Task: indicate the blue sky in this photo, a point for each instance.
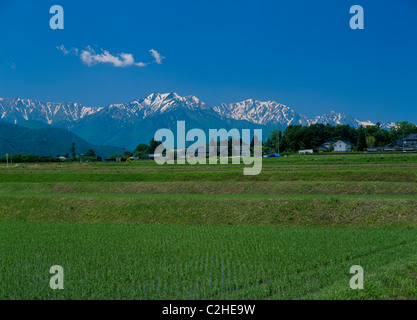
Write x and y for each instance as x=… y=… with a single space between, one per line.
x=301 y=53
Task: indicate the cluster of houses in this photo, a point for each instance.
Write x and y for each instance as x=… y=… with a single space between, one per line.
x=202 y=151
x=409 y=143
x=205 y=151
x=336 y=146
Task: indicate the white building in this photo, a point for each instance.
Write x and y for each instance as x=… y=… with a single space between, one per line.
x=343 y=146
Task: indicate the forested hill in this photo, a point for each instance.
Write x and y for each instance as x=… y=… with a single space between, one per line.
x=45 y=140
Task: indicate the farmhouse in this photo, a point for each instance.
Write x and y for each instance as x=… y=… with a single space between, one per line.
x=326 y=146
x=411 y=140
x=343 y=146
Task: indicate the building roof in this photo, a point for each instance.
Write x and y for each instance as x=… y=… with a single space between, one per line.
x=323 y=145
x=412 y=136
x=346 y=142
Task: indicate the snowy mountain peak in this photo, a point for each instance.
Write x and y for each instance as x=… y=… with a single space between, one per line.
x=157 y=103
x=260 y=112
x=266 y=113
x=333 y=118
x=17 y=110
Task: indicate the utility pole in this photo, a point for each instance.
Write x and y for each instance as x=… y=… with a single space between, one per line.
x=7 y=159
x=278 y=144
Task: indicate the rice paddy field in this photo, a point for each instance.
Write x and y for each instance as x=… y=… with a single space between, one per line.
x=144 y=231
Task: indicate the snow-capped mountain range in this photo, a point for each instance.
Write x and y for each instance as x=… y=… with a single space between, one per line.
x=17 y=110
x=260 y=112
x=273 y=113
x=145 y=116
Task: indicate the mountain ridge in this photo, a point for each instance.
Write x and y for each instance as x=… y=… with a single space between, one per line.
x=137 y=120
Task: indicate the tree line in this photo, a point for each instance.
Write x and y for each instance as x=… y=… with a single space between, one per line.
x=292 y=139
x=90 y=156
x=297 y=137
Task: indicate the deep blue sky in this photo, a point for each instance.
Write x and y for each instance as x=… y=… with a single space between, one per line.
x=301 y=53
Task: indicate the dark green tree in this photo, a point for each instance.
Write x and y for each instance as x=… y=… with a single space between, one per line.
x=91 y=153
x=142 y=147
x=153 y=145
x=73 y=150
x=361 y=140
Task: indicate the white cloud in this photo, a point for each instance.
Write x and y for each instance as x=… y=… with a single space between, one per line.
x=157 y=56
x=63 y=49
x=89 y=57
x=66 y=51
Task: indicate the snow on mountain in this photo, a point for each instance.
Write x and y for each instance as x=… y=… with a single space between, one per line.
x=271 y=113
x=17 y=110
x=365 y=123
x=389 y=125
x=335 y=118
x=152 y=105
x=265 y=113
x=157 y=103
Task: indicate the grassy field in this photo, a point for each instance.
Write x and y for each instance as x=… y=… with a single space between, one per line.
x=144 y=231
